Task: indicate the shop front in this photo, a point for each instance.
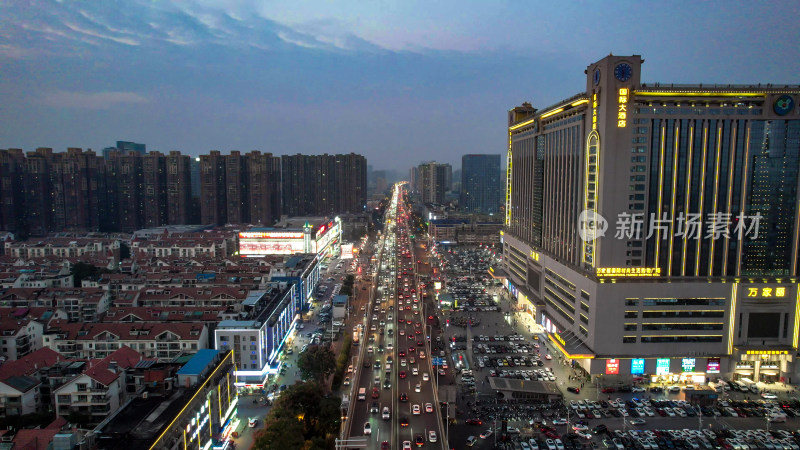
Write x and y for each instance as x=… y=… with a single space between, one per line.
x=765 y=366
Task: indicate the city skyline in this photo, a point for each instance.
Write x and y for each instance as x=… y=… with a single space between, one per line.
x=284 y=79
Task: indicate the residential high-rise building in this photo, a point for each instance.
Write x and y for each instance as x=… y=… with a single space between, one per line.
x=38 y=192
x=129 y=187
x=12 y=191
x=652 y=228
x=433 y=181
x=264 y=176
x=179 y=189
x=125 y=146
x=236 y=192
x=154 y=174
x=340 y=184
x=213 y=206
x=481 y=186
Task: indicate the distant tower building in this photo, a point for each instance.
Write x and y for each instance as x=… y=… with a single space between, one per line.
x=481 y=186
x=125 y=146
x=433 y=181
x=340 y=184
x=179 y=188
x=212 y=189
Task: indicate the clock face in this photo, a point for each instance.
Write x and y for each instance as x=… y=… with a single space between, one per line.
x=596 y=76
x=623 y=72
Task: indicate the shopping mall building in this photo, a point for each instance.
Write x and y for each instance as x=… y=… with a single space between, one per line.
x=652 y=228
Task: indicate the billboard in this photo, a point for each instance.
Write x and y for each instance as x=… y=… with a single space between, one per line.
x=662 y=366
x=347 y=251
x=637 y=366
x=612 y=367
x=713 y=365
x=688 y=364
x=254 y=247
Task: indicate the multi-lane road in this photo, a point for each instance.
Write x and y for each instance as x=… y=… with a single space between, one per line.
x=394 y=400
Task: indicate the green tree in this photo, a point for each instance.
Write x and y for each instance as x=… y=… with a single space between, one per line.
x=316 y=363
x=280 y=433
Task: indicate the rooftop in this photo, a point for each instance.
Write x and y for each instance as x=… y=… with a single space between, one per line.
x=199 y=362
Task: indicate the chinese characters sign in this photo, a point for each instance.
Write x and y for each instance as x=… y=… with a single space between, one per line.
x=629 y=271
x=766 y=292
x=594 y=111
x=688 y=364
x=713 y=365
x=637 y=366
x=622 y=113
x=612 y=366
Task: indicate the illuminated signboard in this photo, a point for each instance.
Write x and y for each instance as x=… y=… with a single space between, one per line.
x=271 y=247
x=662 y=366
x=766 y=292
x=271 y=235
x=688 y=364
x=622 y=113
x=347 y=251
x=437 y=285
x=534 y=256
x=628 y=271
x=767 y=352
x=637 y=366
x=594 y=111
x=612 y=366
x=713 y=365
x=561 y=340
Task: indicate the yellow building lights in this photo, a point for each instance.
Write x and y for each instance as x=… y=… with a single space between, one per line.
x=551 y=113
x=579 y=102
x=520 y=125
x=768 y=352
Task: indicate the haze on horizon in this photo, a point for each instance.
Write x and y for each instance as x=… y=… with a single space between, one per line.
x=398 y=82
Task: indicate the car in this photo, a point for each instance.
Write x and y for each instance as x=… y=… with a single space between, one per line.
x=512 y=430
x=415 y=410
x=373 y=408
x=367 y=429
x=474 y=422
x=637 y=421
x=419 y=440
x=548 y=357
x=418 y=388
x=608 y=390
x=574 y=390
x=406 y=445
x=414 y=371
x=428 y=408
x=584 y=434
x=486 y=434
x=431 y=436
x=402 y=374
x=580 y=427
x=769 y=396
x=637 y=389
x=346 y=381
x=385 y=414
x=560 y=421
x=252 y=422
x=404 y=397
x=387 y=384
x=471 y=440
x=404 y=421
x=551 y=444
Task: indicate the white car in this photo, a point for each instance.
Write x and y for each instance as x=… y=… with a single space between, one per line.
x=385 y=414
x=367 y=429
x=428 y=408
x=414 y=371
x=252 y=422
x=415 y=410
x=431 y=436
x=580 y=427
x=418 y=388
x=560 y=421
x=406 y=445
x=425 y=377
x=637 y=389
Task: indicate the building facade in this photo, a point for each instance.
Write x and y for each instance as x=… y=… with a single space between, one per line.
x=652 y=229
x=481 y=187
x=433 y=181
x=339 y=184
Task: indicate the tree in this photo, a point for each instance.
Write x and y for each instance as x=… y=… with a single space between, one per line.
x=316 y=363
x=280 y=433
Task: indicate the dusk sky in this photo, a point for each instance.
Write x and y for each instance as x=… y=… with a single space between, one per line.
x=399 y=82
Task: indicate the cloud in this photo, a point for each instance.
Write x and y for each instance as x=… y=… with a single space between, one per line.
x=93 y=100
x=120 y=40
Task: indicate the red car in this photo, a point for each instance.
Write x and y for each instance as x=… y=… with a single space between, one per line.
x=402 y=374
x=474 y=422
x=608 y=390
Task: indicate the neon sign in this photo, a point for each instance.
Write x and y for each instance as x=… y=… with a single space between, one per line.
x=767 y=292
x=713 y=365
x=688 y=364
x=622 y=113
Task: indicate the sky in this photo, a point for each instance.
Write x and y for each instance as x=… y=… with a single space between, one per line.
x=398 y=82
